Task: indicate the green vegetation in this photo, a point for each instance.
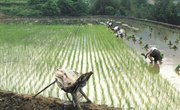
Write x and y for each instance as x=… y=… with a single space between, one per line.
x=30 y=53
x=177 y=69
x=165 y=11
x=162 y=10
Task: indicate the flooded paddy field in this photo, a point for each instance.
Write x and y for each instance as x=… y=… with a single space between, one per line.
x=30 y=53
x=162 y=37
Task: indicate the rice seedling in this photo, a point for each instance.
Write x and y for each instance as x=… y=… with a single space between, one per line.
x=29 y=56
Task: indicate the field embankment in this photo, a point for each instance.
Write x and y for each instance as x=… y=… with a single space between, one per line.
x=81 y=19
x=13 y=101
x=153 y=22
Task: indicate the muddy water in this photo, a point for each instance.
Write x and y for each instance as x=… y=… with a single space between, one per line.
x=158 y=36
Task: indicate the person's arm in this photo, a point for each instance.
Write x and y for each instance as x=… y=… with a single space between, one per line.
x=149 y=52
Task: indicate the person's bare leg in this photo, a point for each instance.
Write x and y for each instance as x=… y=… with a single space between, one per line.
x=150 y=58
x=88 y=100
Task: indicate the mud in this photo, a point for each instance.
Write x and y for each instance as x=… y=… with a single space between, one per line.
x=13 y=101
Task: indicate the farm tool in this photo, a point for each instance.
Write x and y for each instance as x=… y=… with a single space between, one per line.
x=71 y=82
x=45 y=88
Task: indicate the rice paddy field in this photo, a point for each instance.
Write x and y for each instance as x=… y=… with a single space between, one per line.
x=29 y=55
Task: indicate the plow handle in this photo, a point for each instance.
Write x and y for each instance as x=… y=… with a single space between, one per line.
x=45 y=88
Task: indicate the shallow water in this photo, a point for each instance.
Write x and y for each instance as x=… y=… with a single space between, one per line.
x=154 y=35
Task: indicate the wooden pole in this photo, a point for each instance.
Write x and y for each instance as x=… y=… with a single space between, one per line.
x=45 y=88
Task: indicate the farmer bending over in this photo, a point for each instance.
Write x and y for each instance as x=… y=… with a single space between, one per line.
x=116 y=28
x=120 y=33
x=110 y=24
x=153 y=53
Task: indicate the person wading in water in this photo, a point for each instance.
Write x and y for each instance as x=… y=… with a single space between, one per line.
x=154 y=55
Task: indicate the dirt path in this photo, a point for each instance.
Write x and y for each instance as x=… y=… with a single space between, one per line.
x=13 y=101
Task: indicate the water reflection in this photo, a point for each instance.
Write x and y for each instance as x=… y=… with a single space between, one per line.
x=156 y=67
x=163 y=38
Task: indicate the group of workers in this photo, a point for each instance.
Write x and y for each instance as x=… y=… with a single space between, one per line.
x=153 y=53
x=116 y=29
